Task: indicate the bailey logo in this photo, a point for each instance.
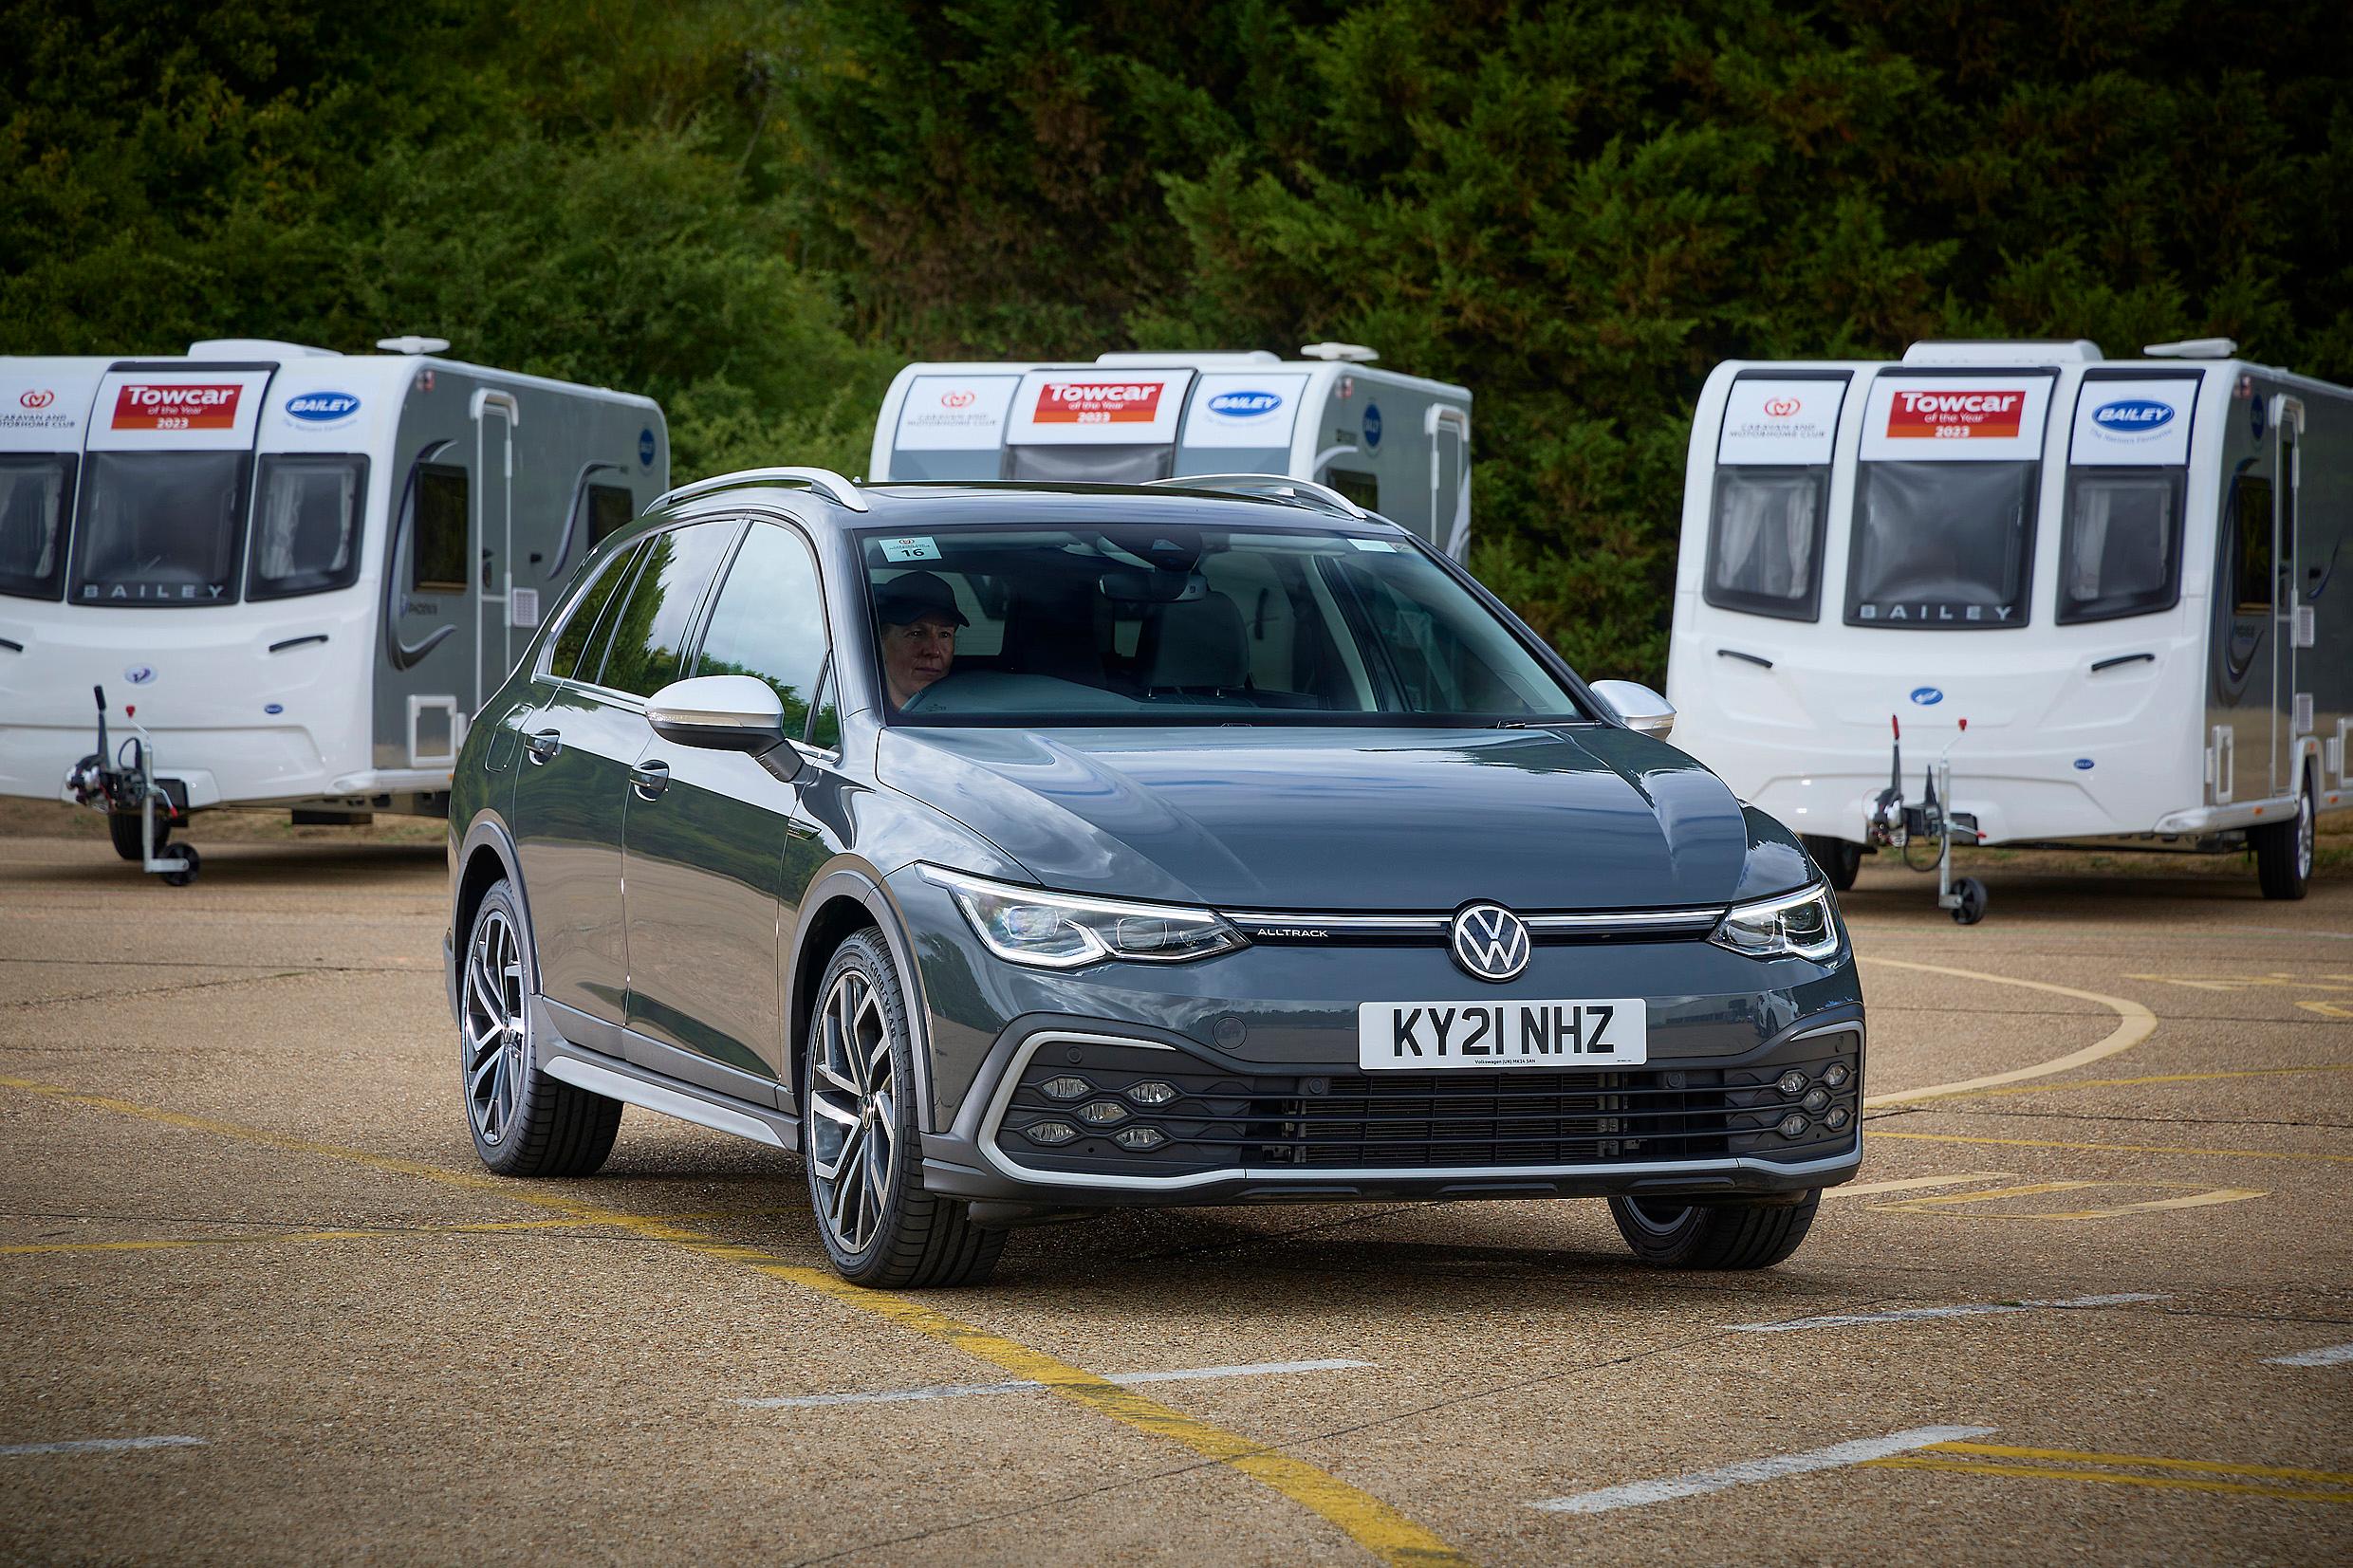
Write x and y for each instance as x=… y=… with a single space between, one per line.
x=1491 y=942
x=1245 y=405
x=322 y=408
x=2130 y=417
x=38 y=398
x=1781 y=408
x=140 y=674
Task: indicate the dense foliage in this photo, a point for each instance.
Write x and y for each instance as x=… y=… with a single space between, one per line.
x=755 y=213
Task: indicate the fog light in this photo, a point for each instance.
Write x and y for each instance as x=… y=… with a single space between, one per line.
x=1050 y=1132
x=1793 y=1126
x=1837 y=1118
x=1151 y=1092
x=1102 y=1113
x=1140 y=1137
x=1066 y=1087
x=1816 y=1098
x=1837 y=1074
x=1791 y=1083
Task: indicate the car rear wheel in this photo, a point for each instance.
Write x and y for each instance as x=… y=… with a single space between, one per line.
x=1727 y=1235
x=860 y=1141
x=525 y=1123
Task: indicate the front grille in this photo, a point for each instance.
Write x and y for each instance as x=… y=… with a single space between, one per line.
x=1410 y=1121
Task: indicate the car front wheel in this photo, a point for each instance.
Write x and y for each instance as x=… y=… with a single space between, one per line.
x=860 y=1141
x=525 y=1123
x=1723 y=1235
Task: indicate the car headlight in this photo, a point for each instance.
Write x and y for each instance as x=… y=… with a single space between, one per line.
x=1800 y=925
x=1061 y=931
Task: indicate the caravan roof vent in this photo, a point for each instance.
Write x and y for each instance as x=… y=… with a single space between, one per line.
x=257 y=348
x=413 y=344
x=1198 y=361
x=1993 y=352
x=2194 y=348
x=1353 y=354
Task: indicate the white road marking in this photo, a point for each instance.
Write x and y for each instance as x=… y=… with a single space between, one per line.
x=1024 y=1385
x=1836 y=1456
x=2327 y=1355
x=104 y=1445
x=1914 y=1315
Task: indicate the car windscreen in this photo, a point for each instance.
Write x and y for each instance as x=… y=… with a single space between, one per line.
x=1149 y=624
x=306 y=524
x=36 y=496
x=160 y=528
x=1944 y=546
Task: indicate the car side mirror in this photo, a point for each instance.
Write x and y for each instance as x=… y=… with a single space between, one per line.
x=1643 y=710
x=719 y=713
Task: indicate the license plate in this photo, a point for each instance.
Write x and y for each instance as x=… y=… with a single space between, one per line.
x=1424 y=1036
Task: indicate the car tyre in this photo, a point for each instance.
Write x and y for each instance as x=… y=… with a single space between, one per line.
x=524 y=1122
x=2284 y=850
x=860 y=1142
x=128 y=830
x=1725 y=1235
x=1839 y=858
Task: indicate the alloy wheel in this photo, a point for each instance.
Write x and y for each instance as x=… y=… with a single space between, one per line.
x=497 y=1030
x=854 y=1095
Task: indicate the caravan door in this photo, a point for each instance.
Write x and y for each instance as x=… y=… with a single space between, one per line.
x=2294 y=616
x=2245 y=735
x=493 y=444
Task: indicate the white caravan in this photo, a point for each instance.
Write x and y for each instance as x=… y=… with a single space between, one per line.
x=2115 y=571
x=1391 y=443
x=295 y=574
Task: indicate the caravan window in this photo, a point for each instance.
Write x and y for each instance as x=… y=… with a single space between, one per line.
x=610 y=508
x=1765 y=540
x=160 y=528
x=2250 y=559
x=36 y=497
x=2119 y=552
x=1090 y=464
x=437 y=548
x=1945 y=546
x=306 y=524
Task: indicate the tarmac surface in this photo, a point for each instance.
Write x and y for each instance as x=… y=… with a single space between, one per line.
x=264 y=1305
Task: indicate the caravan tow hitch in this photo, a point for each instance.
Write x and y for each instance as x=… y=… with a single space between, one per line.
x=123 y=781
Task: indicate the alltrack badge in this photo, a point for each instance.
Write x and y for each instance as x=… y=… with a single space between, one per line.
x=1491 y=942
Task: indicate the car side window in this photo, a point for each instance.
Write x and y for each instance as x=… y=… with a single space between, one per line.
x=575 y=642
x=649 y=635
x=769 y=622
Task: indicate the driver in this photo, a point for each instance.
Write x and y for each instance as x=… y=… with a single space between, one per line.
x=917 y=616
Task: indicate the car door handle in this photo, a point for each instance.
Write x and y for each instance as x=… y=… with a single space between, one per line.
x=649 y=779
x=544 y=747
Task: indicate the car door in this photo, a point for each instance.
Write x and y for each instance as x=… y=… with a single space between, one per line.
x=578 y=745
x=715 y=844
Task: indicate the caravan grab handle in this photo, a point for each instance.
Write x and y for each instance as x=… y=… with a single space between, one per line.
x=2121 y=659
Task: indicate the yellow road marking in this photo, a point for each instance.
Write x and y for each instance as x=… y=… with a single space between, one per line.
x=2133 y=1024
x=2114 y=1148
x=1864 y=1190
x=166 y=1244
x=2195 y=1197
x=2243 y=982
x=2210 y=1467
x=1367 y=1520
x=2326 y=1009
x=1966 y=1466
x=2161 y=1078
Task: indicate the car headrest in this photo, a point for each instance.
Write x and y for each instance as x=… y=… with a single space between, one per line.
x=1195 y=645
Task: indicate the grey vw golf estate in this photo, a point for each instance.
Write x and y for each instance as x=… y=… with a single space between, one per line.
x=1011 y=851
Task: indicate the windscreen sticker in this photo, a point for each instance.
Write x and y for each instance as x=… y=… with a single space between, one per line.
x=1246 y=409
x=1781 y=421
x=2134 y=424
x=1098 y=407
x=911 y=547
x=1922 y=418
x=954 y=413
x=1380 y=547
x=181 y=406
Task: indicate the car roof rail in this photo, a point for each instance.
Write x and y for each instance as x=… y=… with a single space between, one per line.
x=826 y=483
x=1273 y=486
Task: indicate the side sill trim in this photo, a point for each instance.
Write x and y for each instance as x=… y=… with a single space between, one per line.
x=617 y=1082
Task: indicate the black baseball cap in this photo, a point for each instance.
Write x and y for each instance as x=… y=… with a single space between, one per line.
x=908 y=598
